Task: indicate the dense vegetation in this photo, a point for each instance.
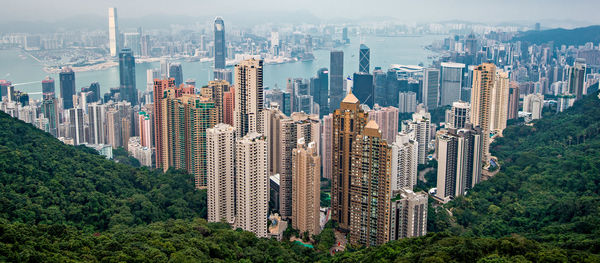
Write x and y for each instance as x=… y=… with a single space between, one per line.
x=549 y=185
x=62 y=203
x=45 y=181
x=577 y=36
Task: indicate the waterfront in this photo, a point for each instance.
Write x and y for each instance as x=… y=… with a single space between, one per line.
x=27 y=73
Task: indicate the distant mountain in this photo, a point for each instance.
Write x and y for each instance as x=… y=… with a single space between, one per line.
x=560 y=36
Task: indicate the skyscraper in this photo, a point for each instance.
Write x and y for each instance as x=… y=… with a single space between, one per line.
x=223 y=74
x=228 y=106
x=370 y=190
x=50 y=110
x=145 y=126
x=220 y=153
x=67 y=87
x=431 y=88
x=534 y=104
x=459 y=154
x=320 y=91
x=96 y=115
x=408 y=214
x=252 y=184
x=220 y=50
x=404 y=162
x=499 y=102
x=306 y=187
x=459 y=115
x=387 y=119
x=76 y=126
x=336 y=79
x=348 y=122
x=364 y=59
x=113 y=31
x=451 y=82
x=48 y=87
x=248 y=97
x=176 y=72
x=326 y=144
x=364 y=89
x=513 y=101
x=484 y=78
x=421 y=126
x=216 y=91
x=407 y=101
x=127 y=76
x=576 y=76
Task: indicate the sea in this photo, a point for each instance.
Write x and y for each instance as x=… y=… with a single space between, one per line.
x=27 y=73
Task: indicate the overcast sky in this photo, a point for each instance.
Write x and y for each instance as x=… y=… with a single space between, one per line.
x=405 y=11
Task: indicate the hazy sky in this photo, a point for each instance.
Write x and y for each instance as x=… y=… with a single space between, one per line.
x=403 y=10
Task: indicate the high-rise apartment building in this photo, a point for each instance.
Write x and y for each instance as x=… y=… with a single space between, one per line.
x=408 y=214
x=387 y=119
x=431 y=88
x=113 y=31
x=407 y=102
x=252 y=187
x=576 y=78
x=216 y=91
x=128 y=89
x=96 y=115
x=67 y=87
x=145 y=127
x=459 y=115
x=326 y=145
x=336 y=79
x=220 y=50
x=220 y=153
x=48 y=87
x=420 y=125
x=513 y=101
x=534 y=104
x=451 y=82
x=306 y=187
x=404 y=162
x=459 y=154
x=348 y=122
x=76 y=126
x=370 y=188
x=364 y=59
x=49 y=109
x=484 y=78
x=499 y=102
x=248 y=97
x=228 y=106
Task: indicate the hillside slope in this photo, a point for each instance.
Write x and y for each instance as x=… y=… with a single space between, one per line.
x=560 y=36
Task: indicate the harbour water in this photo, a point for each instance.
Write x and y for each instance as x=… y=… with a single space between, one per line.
x=27 y=73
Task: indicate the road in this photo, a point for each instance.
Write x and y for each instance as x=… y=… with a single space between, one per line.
x=340 y=243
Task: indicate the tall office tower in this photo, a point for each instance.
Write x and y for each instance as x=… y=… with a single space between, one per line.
x=408 y=214
x=404 y=162
x=576 y=75
x=499 y=102
x=127 y=76
x=363 y=88
x=93 y=92
x=336 y=79
x=252 y=196
x=67 y=87
x=421 y=126
x=513 y=101
x=460 y=158
x=451 y=82
x=459 y=115
x=113 y=128
x=50 y=110
x=370 y=190
x=151 y=75
x=176 y=72
x=223 y=74
x=431 y=88
x=113 y=31
x=299 y=125
x=96 y=115
x=345 y=35
x=164 y=68
x=364 y=59
x=534 y=104
x=48 y=87
x=348 y=122
x=320 y=91
x=132 y=41
x=380 y=84
x=125 y=132
x=407 y=101
x=76 y=126
x=387 y=119
x=4 y=85
x=189 y=116
x=248 y=97
x=160 y=119
x=229 y=106
x=484 y=77
x=216 y=91
x=145 y=124
x=306 y=187
x=145 y=46
x=326 y=143
x=220 y=153
x=220 y=50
